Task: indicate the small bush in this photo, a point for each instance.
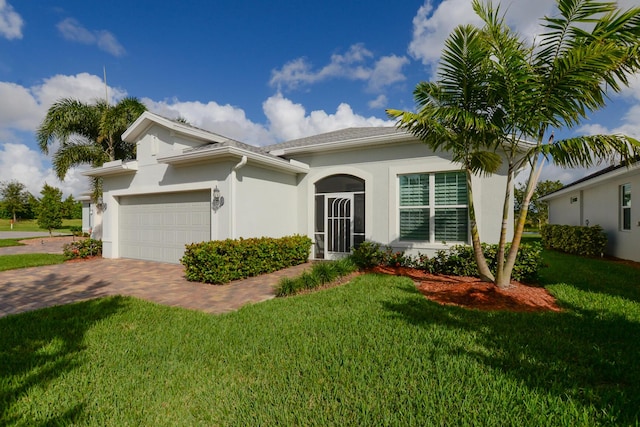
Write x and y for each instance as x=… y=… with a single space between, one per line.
x=320 y=274
x=576 y=240
x=221 y=261
x=460 y=261
x=82 y=249
x=367 y=255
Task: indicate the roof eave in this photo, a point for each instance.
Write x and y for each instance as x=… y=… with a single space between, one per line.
x=147 y=118
x=116 y=167
x=591 y=182
x=221 y=153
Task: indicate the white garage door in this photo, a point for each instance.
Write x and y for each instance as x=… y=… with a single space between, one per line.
x=156 y=227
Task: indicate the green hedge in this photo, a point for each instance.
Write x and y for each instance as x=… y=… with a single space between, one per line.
x=457 y=260
x=577 y=240
x=221 y=261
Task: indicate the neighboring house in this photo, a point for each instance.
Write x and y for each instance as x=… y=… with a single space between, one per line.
x=339 y=188
x=603 y=198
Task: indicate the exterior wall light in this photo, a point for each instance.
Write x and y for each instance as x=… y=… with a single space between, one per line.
x=101 y=205
x=218 y=201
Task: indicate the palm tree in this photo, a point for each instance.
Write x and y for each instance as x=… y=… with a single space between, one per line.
x=529 y=90
x=88 y=133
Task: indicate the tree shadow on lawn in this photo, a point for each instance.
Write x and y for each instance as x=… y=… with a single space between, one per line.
x=580 y=354
x=40 y=346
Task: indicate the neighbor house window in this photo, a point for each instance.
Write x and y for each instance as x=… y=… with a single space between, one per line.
x=625 y=206
x=433 y=207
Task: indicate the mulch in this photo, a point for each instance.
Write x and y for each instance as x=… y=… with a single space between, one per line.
x=472 y=293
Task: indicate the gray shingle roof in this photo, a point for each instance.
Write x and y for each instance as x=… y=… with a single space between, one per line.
x=335 y=136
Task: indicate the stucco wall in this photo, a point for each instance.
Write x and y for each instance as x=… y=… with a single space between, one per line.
x=265 y=203
x=601 y=206
x=380 y=167
x=566 y=209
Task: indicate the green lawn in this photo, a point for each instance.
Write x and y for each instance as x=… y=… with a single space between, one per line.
x=373 y=352
x=11 y=262
x=32 y=225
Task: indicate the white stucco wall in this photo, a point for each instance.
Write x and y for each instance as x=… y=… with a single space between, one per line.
x=600 y=204
x=567 y=209
x=265 y=203
x=380 y=166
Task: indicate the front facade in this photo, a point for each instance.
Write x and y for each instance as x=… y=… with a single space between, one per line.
x=339 y=188
x=604 y=199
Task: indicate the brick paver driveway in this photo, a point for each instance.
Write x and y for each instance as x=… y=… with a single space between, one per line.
x=32 y=288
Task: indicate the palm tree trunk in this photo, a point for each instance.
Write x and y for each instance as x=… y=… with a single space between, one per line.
x=483 y=268
x=503 y=278
x=534 y=175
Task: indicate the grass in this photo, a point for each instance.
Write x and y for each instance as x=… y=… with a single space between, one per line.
x=10 y=242
x=32 y=225
x=12 y=262
x=372 y=352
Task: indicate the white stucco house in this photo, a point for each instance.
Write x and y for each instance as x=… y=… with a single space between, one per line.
x=339 y=188
x=603 y=198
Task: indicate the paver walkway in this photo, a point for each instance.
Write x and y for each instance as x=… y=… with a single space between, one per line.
x=32 y=288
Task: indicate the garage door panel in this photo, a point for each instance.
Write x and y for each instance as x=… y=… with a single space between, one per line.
x=157 y=227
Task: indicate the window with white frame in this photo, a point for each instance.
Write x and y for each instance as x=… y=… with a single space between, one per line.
x=433 y=207
x=625 y=207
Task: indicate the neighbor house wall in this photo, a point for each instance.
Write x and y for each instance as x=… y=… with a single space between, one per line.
x=600 y=204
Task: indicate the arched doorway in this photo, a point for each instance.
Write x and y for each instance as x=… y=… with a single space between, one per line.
x=339 y=215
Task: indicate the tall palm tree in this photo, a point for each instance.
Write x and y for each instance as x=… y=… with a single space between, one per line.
x=529 y=90
x=88 y=133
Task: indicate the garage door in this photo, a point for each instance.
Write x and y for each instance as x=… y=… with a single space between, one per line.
x=156 y=227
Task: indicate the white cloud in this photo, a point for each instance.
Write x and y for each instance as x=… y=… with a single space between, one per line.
x=11 y=23
x=355 y=64
x=432 y=25
x=21 y=163
x=380 y=102
x=72 y=30
x=225 y=120
x=387 y=71
x=288 y=120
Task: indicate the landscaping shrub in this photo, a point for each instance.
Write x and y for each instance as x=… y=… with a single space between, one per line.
x=459 y=261
x=320 y=274
x=221 y=261
x=367 y=255
x=576 y=240
x=82 y=249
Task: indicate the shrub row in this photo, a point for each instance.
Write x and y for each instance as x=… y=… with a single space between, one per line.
x=457 y=260
x=577 y=240
x=321 y=273
x=82 y=249
x=221 y=261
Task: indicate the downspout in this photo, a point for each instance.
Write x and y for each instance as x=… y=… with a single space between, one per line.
x=232 y=189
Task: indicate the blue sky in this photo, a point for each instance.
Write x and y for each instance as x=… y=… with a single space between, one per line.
x=259 y=72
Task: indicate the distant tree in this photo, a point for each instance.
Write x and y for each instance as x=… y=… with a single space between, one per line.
x=33 y=206
x=538 y=214
x=15 y=198
x=67 y=207
x=50 y=211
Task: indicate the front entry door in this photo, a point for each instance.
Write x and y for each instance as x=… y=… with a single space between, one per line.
x=338 y=224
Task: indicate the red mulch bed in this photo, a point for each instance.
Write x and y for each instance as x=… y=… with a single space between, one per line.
x=471 y=292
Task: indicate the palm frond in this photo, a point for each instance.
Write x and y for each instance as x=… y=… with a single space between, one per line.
x=586 y=151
